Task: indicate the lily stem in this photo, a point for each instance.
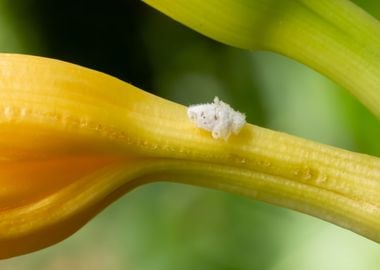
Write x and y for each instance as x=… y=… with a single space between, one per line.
x=336 y=185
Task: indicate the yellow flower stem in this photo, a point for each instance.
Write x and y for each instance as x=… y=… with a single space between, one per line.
x=336 y=38
x=73 y=140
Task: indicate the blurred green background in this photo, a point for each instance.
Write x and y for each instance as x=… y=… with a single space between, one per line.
x=170 y=226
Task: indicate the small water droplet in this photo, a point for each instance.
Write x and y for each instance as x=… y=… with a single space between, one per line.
x=264 y=163
x=303 y=173
x=23 y=112
x=8 y=112
x=83 y=123
x=321 y=180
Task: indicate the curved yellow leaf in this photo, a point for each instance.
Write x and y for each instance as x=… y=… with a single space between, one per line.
x=73 y=140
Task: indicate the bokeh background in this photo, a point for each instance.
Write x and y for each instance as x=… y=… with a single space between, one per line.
x=171 y=226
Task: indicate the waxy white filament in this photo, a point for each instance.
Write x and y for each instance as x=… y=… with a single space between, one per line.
x=217 y=117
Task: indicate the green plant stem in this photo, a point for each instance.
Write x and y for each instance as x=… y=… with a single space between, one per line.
x=336 y=38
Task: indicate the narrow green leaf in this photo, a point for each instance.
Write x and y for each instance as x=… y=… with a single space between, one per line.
x=336 y=38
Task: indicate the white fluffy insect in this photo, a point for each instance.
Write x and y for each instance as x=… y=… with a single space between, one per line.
x=217 y=117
